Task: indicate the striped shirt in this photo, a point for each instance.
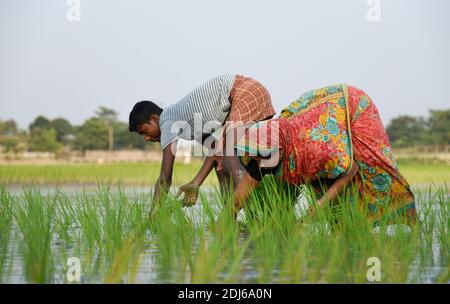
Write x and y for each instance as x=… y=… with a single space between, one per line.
x=201 y=111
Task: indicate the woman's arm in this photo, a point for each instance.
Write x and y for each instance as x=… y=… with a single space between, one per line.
x=243 y=190
x=338 y=185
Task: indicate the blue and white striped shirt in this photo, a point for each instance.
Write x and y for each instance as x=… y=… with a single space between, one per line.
x=201 y=111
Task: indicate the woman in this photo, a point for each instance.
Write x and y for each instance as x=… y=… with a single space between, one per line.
x=331 y=138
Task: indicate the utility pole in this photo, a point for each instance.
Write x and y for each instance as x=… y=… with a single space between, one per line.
x=109 y=116
x=111 y=137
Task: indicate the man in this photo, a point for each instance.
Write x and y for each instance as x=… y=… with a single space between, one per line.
x=233 y=99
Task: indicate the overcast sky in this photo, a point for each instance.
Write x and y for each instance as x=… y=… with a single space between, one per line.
x=124 y=51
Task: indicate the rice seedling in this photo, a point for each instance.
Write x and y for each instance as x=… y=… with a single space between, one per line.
x=124 y=226
x=33 y=215
x=5 y=227
x=217 y=256
x=273 y=240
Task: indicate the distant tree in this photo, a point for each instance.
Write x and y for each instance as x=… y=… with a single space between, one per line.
x=406 y=131
x=92 y=135
x=439 y=127
x=8 y=128
x=123 y=139
x=44 y=140
x=41 y=122
x=11 y=138
x=63 y=129
x=109 y=116
x=11 y=145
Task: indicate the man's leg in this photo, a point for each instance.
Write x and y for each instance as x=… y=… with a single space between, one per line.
x=230 y=174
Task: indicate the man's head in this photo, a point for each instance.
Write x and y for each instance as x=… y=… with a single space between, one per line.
x=144 y=119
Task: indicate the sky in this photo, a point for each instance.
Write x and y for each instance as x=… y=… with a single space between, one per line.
x=121 y=52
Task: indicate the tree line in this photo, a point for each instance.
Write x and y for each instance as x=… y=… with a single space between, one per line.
x=104 y=131
x=410 y=131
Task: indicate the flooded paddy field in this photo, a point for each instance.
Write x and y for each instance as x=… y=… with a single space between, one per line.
x=102 y=233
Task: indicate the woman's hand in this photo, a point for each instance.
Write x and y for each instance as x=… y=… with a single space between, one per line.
x=242 y=192
x=338 y=186
x=190 y=191
x=312 y=209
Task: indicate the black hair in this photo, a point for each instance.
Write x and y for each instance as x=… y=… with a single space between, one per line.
x=141 y=113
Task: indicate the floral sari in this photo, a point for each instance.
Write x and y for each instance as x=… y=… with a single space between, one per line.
x=320 y=135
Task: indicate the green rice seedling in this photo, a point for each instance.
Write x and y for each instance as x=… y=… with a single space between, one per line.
x=218 y=240
x=353 y=243
x=125 y=223
x=443 y=223
x=34 y=215
x=102 y=223
x=173 y=235
x=283 y=248
x=235 y=273
x=112 y=223
x=322 y=246
x=269 y=243
x=194 y=244
x=125 y=260
x=66 y=232
x=207 y=260
x=434 y=236
x=292 y=268
x=65 y=218
x=5 y=227
x=337 y=255
x=270 y=219
x=88 y=220
x=218 y=253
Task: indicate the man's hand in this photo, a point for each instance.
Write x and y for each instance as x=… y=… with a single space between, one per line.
x=164 y=181
x=190 y=191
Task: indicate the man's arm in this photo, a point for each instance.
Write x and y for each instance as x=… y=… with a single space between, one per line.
x=191 y=189
x=206 y=168
x=165 y=176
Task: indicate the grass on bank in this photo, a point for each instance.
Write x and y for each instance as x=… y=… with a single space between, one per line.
x=147 y=173
x=123 y=173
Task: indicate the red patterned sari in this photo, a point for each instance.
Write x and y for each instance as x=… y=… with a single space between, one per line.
x=319 y=136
